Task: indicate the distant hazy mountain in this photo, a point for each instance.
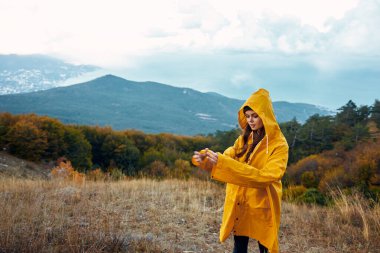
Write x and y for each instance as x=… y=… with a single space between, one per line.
x=26 y=73
x=148 y=106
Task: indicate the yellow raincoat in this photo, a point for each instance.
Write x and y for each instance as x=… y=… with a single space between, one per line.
x=254 y=189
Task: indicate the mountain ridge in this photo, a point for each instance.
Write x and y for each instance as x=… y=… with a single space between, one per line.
x=148 y=106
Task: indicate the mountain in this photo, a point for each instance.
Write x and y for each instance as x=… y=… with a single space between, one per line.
x=148 y=106
x=26 y=73
x=286 y=111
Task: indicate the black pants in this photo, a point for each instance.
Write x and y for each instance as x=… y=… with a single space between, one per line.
x=241 y=245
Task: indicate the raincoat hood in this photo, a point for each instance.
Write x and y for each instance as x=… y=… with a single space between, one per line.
x=260 y=103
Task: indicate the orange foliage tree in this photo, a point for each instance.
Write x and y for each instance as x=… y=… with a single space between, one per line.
x=339 y=168
x=64 y=170
x=26 y=140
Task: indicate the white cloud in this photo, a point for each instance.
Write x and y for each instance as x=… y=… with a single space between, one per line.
x=319 y=48
x=117 y=32
x=241 y=79
x=159 y=33
x=357 y=32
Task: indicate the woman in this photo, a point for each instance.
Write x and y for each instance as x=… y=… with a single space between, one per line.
x=252 y=168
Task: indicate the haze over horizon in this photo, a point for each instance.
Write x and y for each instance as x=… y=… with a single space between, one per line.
x=314 y=52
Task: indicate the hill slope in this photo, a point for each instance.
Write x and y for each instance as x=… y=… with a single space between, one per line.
x=11 y=166
x=148 y=106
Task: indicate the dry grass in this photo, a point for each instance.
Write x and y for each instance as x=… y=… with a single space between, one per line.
x=162 y=216
x=128 y=216
x=351 y=225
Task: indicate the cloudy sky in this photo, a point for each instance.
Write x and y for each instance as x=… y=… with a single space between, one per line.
x=320 y=52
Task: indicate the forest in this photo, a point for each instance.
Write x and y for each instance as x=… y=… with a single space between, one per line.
x=341 y=150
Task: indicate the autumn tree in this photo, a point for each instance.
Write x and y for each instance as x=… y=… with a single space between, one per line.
x=6 y=121
x=140 y=139
x=96 y=135
x=26 y=140
x=55 y=134
x=78 y=149
x=117 y=148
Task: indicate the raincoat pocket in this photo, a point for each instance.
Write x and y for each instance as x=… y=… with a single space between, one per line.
x=257 y=198
x=261 y=215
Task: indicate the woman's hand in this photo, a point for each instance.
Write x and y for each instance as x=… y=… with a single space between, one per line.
x=198 y=158
x=212 y=157
x=206 y=159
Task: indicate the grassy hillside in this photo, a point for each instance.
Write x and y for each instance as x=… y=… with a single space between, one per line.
x=162 y=216
x=11 y=166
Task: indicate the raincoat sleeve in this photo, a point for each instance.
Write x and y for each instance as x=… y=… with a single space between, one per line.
x=231 y=151
x=232 y=171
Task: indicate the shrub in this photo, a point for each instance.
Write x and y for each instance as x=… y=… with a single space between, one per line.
x=182 y=169
x=334 y=178
x=115 y=174
x=375 y=193
x=158 y=169
x=293 y=192
x=65 y=171
x=150 y=156
x=309 y=180
x=295 y=171
x=96 y=175
x=312 y=196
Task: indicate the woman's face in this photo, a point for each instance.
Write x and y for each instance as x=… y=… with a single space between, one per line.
x=253 y=119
